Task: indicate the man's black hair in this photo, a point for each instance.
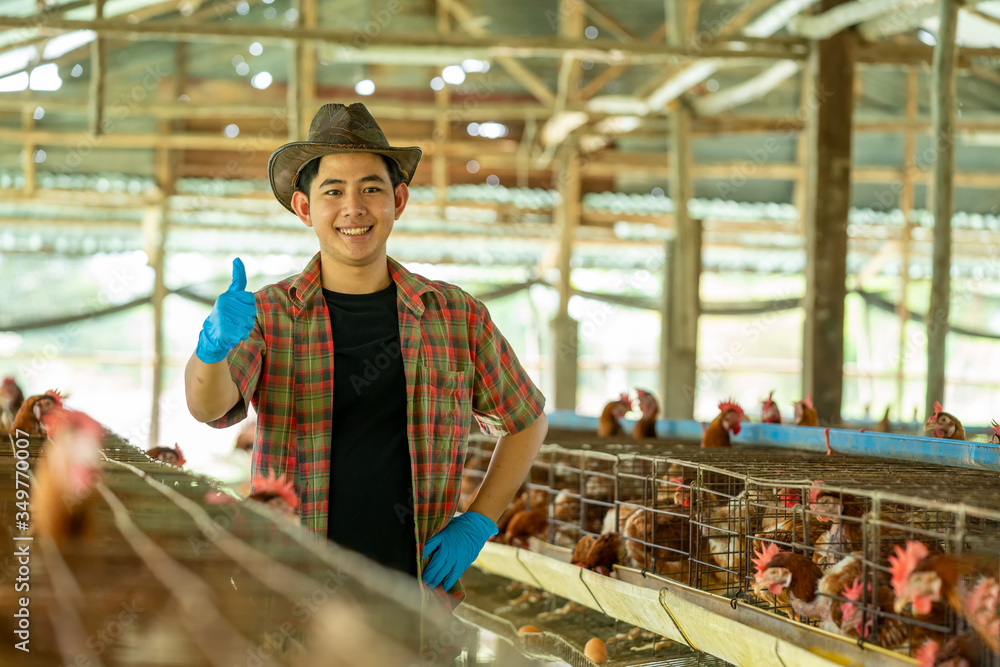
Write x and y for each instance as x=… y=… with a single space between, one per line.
x=311 y=168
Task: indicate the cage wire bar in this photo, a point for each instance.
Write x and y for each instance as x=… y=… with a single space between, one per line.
x=172 y=576
x=700 y=517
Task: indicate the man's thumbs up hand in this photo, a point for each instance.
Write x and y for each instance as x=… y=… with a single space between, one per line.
x=230 y=321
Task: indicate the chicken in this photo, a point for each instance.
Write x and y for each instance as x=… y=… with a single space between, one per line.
x=861 y=614
x=275 y=492
x=525 y=525
x=728 y=420
x=805 y=413
x=921 y=578
x=809 y=591
x=769 y=413
x=793 y=575
x=845 y=534
x=171 y=455
x=964 y=650
x=659 y=543
x=11 y=399
x=646 y=426
x=995 y=438
x=604 y=553
x=608 y=424
x=524 y=500
x=62 y=503
x=582 y=548
x=981 y=611
x=29 y=418
x=944 y=425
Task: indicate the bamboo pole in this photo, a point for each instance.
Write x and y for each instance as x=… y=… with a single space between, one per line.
x=28 y=161
x=943 y=115
x=679 y=337
x=98 y=72
x=906 y=206
x=827 y=207
x=567 y=218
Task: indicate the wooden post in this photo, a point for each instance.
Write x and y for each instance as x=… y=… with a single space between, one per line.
x=98 y=70
x=293 y=91
x=681 y=326
x=827 y=206
x=567 y=216
x=943 y=123
x=442 y=126
x=906 y=207
x=156 y=231
x=159 y=234
x=307 y=70
x=801 y=194
x=28 y=163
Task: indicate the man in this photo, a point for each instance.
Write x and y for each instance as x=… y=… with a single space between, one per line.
x=363 y=374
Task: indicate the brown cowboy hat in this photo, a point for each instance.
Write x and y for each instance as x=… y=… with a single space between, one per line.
x=335 y=128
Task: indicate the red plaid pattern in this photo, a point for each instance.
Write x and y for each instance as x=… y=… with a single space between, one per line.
x=456 y=363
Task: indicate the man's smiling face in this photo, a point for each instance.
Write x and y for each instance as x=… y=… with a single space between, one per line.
x=352 y=207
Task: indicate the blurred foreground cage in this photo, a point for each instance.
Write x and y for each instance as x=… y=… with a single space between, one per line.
x=178 y=573
x=702 y=517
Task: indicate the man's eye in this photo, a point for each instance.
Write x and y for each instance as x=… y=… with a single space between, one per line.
x=372 y=189
x=333 y=192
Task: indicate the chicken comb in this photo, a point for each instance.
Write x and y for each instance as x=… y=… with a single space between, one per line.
x=790 y=497
x=996 y=427
x=730 y=404
x=623 y=398
x=926 y=654
x=902 y=565
x=809 y=401
x=815 y=491
x=277 y=486
x=9 y=380
x=180 y=455
x=56 y=396
x=764 y=558
x=855 y=591
x=937 y=408
x=769 y=400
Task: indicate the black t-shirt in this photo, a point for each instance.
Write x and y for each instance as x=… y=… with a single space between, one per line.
x=371 y=487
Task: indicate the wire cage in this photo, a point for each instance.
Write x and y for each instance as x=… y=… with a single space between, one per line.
x=705 y=518
x=174 y=572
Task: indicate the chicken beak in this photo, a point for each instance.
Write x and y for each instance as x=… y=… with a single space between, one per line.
x=930 y=424
x=899 y=604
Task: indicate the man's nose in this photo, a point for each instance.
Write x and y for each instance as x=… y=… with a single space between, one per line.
x=354 y=204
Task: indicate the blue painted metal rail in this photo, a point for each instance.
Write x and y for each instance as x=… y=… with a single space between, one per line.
x=962 y=454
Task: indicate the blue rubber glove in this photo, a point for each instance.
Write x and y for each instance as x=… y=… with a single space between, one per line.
x=455 y=547
x=230 y=321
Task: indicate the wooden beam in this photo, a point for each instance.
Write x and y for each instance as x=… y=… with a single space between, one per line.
x=827 y=207
x=801 y=193
x=906 y=207
x=752 y=89
x=98 y=72
x=308 y=15
x=943 y=189
x=827 y=24
x=28 y=160
x=442 y=126
x=679 y=330
x=504 y=48
x=518 y=71
x=567 y=218
x=603 y=21
x=159 y=215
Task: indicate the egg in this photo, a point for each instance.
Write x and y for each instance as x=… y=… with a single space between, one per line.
x=596 y=651
x=525 y=629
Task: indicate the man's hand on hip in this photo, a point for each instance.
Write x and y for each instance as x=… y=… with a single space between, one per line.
x=454 y=548
x=230 y=321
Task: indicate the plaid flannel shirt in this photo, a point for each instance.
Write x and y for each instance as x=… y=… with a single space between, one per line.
x=456 y=363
